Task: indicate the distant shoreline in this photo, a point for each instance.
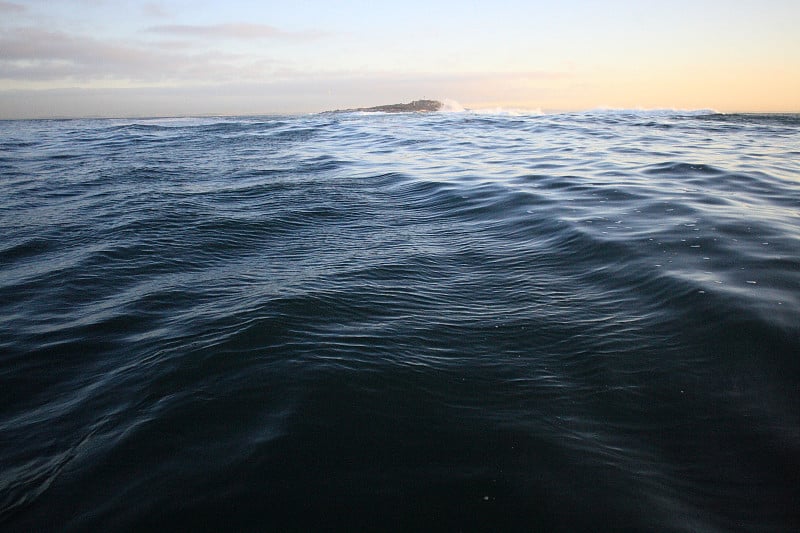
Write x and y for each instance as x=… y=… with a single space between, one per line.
x=417 y=106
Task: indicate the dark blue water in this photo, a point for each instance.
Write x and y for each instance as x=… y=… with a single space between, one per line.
x=444 y=321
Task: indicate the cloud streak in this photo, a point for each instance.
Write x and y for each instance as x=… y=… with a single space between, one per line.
x=32 y=54
x=235 y=31
x=10 y=7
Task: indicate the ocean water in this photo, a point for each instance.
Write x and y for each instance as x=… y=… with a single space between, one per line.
x=449 y=321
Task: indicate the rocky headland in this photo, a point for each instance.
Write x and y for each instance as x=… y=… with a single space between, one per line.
x=417 y=106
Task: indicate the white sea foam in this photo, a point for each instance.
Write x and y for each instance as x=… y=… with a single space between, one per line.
x=507 y=111
x=453 y=106
x=649 y=111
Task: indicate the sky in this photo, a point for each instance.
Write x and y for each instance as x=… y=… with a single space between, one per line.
x=122 y=58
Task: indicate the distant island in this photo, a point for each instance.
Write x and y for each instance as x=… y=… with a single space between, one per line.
x=417 y=106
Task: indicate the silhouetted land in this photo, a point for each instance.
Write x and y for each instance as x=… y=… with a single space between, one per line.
x=415 y=106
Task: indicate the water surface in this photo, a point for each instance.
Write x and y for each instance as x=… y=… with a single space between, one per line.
x=447 y=321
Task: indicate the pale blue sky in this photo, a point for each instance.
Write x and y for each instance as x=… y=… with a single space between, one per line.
x=102 y=57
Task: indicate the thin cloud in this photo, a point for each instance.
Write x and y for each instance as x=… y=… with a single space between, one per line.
x=239 y=31
x=33 y=44
x=39 y=55
x=155 y=10
x=11 y=7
